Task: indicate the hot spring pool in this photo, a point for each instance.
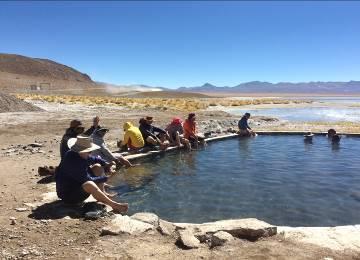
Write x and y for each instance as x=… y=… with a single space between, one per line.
x=278 y=179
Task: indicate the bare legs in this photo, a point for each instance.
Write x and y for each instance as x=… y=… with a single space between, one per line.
x=96 y=191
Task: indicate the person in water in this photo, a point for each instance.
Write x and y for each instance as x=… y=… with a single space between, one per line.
x=133 y=139
x=191 y=133
x=104 y=152
x=75 y=181
x=335 y=139
x=331 y=132
x=176 y=133
x=153 y=135
x=244 y=128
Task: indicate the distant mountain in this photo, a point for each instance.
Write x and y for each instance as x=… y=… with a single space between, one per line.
x=350 y=87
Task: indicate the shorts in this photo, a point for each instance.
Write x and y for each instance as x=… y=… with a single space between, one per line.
x=75 y=196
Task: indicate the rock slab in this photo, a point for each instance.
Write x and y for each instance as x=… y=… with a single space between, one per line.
x=147 y=217
x=220 y=238
x=249 y=228
x=125 y=225
x=188 y=240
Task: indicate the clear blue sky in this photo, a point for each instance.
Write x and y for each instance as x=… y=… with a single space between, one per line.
x=173 y=44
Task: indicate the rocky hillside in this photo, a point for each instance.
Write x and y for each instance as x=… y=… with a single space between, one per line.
x=17 y=64
x=12 y=104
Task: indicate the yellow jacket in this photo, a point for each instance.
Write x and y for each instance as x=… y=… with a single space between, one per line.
x=132 y=136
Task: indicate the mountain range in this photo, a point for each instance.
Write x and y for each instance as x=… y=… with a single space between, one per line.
x=319 y=87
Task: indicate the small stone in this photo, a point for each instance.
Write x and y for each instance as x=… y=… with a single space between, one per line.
x=21 y=209
x=35 y=145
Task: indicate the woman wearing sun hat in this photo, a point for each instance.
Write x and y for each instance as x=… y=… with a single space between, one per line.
x=74 y=181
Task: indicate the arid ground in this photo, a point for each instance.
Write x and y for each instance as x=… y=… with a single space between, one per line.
x=25 y=234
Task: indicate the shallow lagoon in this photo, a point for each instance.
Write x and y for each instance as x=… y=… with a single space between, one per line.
x=324 y=109
x=279 y=179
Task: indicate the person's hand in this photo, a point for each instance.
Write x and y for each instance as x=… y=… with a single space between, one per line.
x=109 y=167
x=96 y=121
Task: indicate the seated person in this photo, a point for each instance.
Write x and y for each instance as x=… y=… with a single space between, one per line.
x=76 y=128
x=95 y=126
x=133 y=139
x=331 y=133
x=103 y=151
x=176 y=133
x=244 y=128
x=190 y=131
x=153 y=135
x=74 y=181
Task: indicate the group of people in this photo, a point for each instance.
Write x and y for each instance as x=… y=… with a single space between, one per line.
x=147 y=135
x=87 y=163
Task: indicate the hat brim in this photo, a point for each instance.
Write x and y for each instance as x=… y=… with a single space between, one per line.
x=71 y=144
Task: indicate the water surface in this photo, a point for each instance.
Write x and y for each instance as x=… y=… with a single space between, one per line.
x=279 y=179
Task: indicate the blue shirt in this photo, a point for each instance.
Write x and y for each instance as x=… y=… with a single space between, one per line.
x=74 y=171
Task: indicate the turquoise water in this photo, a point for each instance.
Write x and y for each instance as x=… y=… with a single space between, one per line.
x=279 y=179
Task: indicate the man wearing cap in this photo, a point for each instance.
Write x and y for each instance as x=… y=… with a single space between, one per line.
x=103 y=151
x=153 y=135
x=76 y=128
x=75 y=183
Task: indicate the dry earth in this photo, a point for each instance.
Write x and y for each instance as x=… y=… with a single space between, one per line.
x=25 y=234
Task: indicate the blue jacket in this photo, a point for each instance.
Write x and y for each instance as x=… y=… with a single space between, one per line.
x=74 y=171
x=243 y=124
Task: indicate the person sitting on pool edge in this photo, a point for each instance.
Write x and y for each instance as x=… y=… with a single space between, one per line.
x=76 y=128
x=74 y=179
x=133 y=139
x=244 y=128
x=190 y=131
x=176 y=133
x=104 y=152
x=94 y=127
x=153 y=135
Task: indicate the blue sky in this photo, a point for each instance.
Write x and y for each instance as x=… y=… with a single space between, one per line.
x=173 y=44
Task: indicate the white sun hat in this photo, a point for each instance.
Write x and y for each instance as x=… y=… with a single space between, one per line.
x=82 y=144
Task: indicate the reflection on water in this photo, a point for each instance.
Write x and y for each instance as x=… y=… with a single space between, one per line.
x=280 y=179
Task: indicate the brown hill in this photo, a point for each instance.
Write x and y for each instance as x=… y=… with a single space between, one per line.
x=17 y=64
x=31 y=75
x=12 y=104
